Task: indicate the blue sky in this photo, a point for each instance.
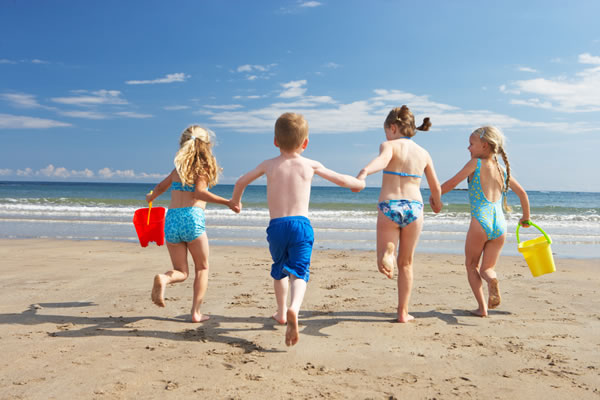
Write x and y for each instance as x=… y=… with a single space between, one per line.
x=100 y=91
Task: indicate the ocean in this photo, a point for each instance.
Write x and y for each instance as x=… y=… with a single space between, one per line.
x=341 y=219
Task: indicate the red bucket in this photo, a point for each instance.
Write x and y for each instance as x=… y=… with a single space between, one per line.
x=150 y=230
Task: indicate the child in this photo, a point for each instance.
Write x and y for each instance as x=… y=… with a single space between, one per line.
x=399 y=220
x=290 y=234
x=195 y=171
x=488 y=186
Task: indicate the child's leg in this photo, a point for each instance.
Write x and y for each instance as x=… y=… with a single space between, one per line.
x=491 y=253
x=179 y=273
x=199 y=250
x=474 y=244
x=409 y=237
x=297 y=291
x=281 y=292
x=388 y=233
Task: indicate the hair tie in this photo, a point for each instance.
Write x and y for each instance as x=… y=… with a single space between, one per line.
x=482 y=133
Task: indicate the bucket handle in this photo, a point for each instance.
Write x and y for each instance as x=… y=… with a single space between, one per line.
x=150 y=209
x=534 y=225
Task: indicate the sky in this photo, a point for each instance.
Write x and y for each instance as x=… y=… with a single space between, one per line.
x=101 y=91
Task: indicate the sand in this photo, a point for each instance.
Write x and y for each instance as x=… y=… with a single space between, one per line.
x=76 y=321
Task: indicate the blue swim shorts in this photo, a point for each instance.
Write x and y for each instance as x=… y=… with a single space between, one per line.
x=402 y=212
x=184 y=224
x=290 y=243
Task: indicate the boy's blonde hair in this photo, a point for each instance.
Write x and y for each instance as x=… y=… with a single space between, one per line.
x=290 y=131
x=496 y=140
x=195 y=157
x=404 y=119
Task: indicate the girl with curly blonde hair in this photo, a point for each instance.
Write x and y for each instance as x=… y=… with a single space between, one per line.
x=196 y=170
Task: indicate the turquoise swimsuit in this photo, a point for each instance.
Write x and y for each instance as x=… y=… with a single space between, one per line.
x=186 y=223
x=489 y=215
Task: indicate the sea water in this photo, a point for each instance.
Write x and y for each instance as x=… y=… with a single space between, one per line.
x=341 y=219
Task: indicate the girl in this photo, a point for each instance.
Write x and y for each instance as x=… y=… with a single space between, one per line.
x=195 y=171
x=488 y=186
x=400 y=203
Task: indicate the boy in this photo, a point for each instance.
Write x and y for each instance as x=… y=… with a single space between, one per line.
x=290 y=234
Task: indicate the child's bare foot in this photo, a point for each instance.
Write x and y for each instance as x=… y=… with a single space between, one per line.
x=478 y=313
x=405 y=318
x=388 y=261
x=494 y=292
x=291 y=333
x=158 y=290
x=199 y=317
x=280 y=318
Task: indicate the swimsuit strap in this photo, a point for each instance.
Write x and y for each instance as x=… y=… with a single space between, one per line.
x=401 y=174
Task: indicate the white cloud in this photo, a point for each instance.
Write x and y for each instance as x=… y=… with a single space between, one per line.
x=224 y=106
x=310 y=4
x=332 y=65
x=169 y=78
x=37 y=61
x=132 y=114
x=8 y=121
x=92 y=98
x=84 y=114
x=256 y=71
x=293 y=89
x=7 y=61
x=176 y=108
x=527 y=69
x=6 y=172
x=587 y=58
x=21 y=100
x=579 y=93
x=51 y=171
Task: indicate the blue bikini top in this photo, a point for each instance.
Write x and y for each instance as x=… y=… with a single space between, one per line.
x=182 y=188
x=402 y=173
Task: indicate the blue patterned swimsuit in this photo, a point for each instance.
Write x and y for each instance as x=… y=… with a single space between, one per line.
x=488 y=214
x=186 y=223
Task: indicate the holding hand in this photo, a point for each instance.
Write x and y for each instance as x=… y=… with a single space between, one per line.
x=524 y=222
x=234 y=206
x=436 y=204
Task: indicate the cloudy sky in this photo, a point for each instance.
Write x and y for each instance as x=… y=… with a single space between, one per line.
x=100 y=91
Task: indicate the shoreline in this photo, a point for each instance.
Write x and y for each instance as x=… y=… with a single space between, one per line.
x=77 y=316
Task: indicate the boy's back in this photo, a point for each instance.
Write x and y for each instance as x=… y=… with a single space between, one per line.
x=289 y=180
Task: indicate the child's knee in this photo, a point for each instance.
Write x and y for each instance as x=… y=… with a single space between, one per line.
x=201 y=267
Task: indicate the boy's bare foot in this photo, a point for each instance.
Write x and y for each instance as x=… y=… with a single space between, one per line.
x=280 y=318
x=478 y=313
x=199 y=317
x=494 y=292
x=291 y=333
x=388 y=261
x=158 y=290
x=405 y=318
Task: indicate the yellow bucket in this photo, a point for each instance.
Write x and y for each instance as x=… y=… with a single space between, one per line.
x=537 y=252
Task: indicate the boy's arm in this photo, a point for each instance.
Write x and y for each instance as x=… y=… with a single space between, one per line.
x=202 y=193
x=342 y=180
x=435 y=200
x=245 y=180
x=379 y=162
x=161 y=187
x=460 y=176
x=522 y=194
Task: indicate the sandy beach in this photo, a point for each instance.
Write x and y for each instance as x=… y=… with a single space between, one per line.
x=76 y=321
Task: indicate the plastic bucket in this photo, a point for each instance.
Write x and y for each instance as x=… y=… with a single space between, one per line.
x=150 y=225
x=537 y=252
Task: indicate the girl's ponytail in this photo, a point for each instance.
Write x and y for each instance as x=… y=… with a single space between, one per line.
x=507 y=181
